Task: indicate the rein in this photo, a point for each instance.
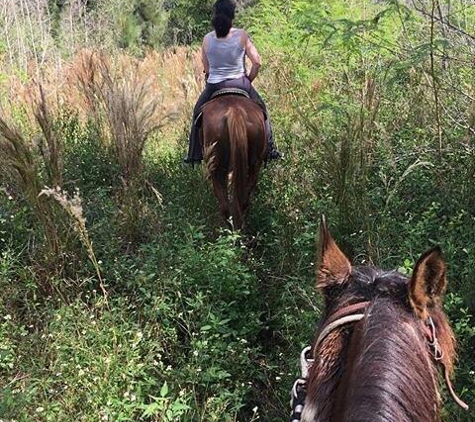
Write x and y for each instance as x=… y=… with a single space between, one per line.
x=438 y=355
x=350 y=314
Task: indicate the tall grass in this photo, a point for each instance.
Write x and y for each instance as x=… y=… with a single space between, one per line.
x=129 y=100
x=50 y=143
x=127 y=109
x=25 y=155
x=74 y=209
x=126 y=104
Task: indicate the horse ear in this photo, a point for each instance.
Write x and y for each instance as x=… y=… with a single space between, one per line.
x=428 y=282
x=333 y=266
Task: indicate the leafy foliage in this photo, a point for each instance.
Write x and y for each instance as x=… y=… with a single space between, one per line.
x=188 y=21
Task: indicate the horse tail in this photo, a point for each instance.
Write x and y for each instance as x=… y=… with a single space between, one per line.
x=237 y=133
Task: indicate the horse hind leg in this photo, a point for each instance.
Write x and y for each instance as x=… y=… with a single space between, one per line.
x=251 y=183
x=219 y=180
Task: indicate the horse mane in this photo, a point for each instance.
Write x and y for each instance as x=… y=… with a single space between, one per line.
x=392 y=376
x=381 y=369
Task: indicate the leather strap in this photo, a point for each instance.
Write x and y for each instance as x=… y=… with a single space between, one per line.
x=350 y=313
x=431 y=335
x=359 y=307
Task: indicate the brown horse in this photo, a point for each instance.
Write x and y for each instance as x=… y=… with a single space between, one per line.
x=234 y=148
x=380 y=343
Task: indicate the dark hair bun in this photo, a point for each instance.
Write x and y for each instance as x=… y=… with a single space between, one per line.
x=225 y=7
x=222 y=25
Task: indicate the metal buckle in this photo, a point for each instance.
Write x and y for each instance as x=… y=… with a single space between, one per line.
x=299 y=388
x=305 y=363
x=300 y=382
x=297 y=400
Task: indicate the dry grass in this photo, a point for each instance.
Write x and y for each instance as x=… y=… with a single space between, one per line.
x=50 y=144
x=73 y=208
x=127 y=98
x=18 y=154
x=123 y=105
x=127 y=106
x=167 y=82
x=172 y=79
x=173 y=76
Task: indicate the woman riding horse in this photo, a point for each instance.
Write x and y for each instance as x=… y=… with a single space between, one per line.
x=223 y=54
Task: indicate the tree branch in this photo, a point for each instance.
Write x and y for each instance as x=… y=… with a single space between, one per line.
x=443 y=21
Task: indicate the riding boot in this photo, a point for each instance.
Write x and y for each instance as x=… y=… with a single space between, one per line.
x=195 y=153
x=272 y=152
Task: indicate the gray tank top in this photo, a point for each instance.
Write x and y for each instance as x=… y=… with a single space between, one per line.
x=226 y=57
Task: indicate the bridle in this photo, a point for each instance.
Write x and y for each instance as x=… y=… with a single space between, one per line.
x=344 y=316
x=350 y=313
x=438 y=355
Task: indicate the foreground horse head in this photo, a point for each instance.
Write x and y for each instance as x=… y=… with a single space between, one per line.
x=234 y=143
x=380 y=343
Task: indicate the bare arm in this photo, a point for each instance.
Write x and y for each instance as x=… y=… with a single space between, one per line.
x=204 y=57
x=254 y=57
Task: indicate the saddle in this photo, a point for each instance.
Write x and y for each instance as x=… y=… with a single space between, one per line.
x=229 y=91
x=220 y=93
